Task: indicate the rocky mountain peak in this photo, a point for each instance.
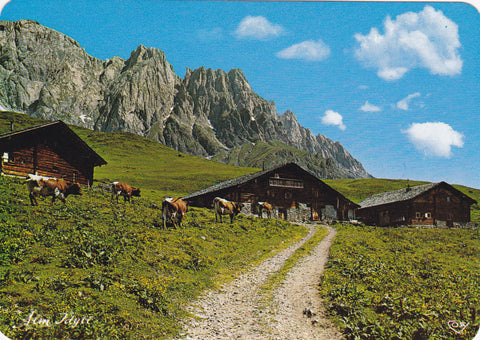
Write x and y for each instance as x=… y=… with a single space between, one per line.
x=238 y=81
x=47 y=74
x=144 y=54
x=289 y=116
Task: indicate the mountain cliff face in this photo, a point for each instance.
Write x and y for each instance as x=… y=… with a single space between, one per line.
x=47 y=74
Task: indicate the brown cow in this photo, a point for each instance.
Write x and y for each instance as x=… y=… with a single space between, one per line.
x=264 y=206
x=125 y=190
x=224 y=207
x=49 y=186
x=173 y=209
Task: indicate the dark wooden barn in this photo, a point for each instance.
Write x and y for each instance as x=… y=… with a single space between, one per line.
x=52 y=150
x=295 y=193
x=435 y=204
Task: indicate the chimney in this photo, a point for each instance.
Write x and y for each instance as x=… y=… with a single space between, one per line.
x=408 y=185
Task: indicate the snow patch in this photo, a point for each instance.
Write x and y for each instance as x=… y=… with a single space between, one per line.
x=85 y=117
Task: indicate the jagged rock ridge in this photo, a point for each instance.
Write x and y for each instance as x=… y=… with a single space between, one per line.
x=47 y=74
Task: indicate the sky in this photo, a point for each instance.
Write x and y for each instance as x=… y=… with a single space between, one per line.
x=397 y=84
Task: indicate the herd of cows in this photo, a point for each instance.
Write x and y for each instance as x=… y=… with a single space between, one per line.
x=173 y=209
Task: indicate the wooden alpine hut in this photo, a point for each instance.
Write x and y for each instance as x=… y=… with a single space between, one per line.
x=52 y=150
x=434 y=204
x=295 y=193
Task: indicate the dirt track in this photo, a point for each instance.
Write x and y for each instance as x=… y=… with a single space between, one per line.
x=238 y=310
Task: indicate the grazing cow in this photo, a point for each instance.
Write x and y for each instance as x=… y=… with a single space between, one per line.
x=224 y=207
x=49 y=186
x=264 y=206
x=125 y=190
x=173 y=209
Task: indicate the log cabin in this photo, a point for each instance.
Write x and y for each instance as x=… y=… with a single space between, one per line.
x=295 y=193
x=434 y=204
x=52 y=150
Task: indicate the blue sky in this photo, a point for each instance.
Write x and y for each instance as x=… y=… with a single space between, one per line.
x=397 y=84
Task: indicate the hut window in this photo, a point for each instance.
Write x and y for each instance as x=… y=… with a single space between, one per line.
x=285 y=183
x=5 y=157
x=418 y=215
x=448 y=198
x=428 y=215
x=288 y=195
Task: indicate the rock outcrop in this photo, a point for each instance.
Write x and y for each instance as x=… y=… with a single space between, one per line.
x=208 y=113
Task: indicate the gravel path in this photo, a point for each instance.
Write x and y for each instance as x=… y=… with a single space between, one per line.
x=238 y=310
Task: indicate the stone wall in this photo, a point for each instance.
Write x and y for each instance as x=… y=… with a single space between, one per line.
x=300 y=214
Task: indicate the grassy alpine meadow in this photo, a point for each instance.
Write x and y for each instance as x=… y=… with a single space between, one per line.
x=153 y=167
x=94 y=269
x=404 y=283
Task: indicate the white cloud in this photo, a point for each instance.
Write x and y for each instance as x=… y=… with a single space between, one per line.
x=427 y=39
x=257 y=28
x=405 y=102
x=434 y=138
x=367 y=107
x=3 y=3
x=309 y=50
x=333 y=118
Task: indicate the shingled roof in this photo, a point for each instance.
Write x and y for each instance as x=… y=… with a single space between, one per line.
x=52 y=128
x=228 y=183
x=406 y=195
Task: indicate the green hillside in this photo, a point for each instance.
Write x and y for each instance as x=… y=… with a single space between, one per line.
x=359 y=189
x=155 y=168
x=273 y=153
x=403 y=283
x=114 y=264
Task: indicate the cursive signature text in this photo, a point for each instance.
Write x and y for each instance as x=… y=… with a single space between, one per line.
x=69 y=319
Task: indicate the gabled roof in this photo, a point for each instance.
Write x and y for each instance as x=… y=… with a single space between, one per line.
x=50 y=129
x=228 y=183
x=246 y=178
x=407 y=194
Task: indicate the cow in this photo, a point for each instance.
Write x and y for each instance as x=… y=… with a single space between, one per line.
x=224 y=207
x=264 y=206
x=127 y=191
x=173 y=209
x=50 y=186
